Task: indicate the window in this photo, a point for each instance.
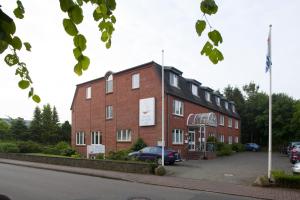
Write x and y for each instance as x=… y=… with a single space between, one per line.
x=226 y=105
x=194 y=90
x=178 y=107
x=236 y=125
x=236 y=139
x=221 y=122
x=229 y=122
x=207 y=96
x=80 y=138
x=88 y=93
x=124 y=135
x=109 y=84
x=96 y=137
x=177 y=136
x=218 y=102
x=109 y=112
x=233 y=108
x=221 y=138
x=229 y=139
x=173 y=80
x=135 y=79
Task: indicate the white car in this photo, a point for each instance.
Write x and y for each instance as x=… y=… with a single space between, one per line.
x=296 y=168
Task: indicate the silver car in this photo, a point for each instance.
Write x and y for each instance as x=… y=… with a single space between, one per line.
x=296 y=168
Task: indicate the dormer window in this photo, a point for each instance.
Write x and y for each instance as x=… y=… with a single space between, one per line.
x=218 y=101
x=195 y=90
x=226 y=105
x=233 y=108
x=173 y=80
x=109 y=84
x=207 y=96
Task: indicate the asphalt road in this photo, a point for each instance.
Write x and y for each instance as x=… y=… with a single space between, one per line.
x=22 y=183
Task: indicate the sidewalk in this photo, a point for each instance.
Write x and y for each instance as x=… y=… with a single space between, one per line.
x=176 y=182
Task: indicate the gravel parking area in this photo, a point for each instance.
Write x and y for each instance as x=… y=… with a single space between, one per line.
x=239 y=168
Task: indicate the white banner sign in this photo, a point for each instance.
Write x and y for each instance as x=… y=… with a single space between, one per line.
x=147 y=112
x=95 y=148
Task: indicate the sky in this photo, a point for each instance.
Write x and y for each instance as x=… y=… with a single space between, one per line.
x=142 y=30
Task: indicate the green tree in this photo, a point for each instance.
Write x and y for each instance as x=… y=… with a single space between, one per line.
x=235 y=94
x=65 y=132
x=295 y=125
x=36 y=128
x=19 y=130
x=47 y=124
x=4 y=130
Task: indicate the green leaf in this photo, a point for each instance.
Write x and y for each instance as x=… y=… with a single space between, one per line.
x=75 y=14
x=23 y=84
x=77 y=53
x=78 y=69
x=70 y=27
x=111 y=4
x=103 y=9
x=16 y=43
x=113 y=19
x=209 y=7
x=19 y=13
x=3 y=46
x=102 y=25
x=108 y=44
x=104 y=36
x=84 y=62
x=30 y=93
x=7 y=24
x=11 y=59
x=27 y=46
x=80 y=2
x=207 y=48
x=216 y=37
x=215 y=56
x=200 y=26
x=80 y=42
x=97 y=15
x=36 y=98
x=65 y=5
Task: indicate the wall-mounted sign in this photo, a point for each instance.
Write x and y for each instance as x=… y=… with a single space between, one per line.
x=147 y=112
x=95 y=148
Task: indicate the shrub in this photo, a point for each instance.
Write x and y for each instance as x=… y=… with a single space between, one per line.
x=212 y=139
x=61 y=148
x=100 y=156
x=9 y=147
x=286 y=180
x=119 y=155
x=29 y=147
x=51 y=150
x=238 y=147
x=160 y=171
x=225 y=150
x=220 y=146
x=138 y=145
x=76 y=155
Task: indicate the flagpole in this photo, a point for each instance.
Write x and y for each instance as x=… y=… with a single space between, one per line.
x=270 y=113
x=162 y=110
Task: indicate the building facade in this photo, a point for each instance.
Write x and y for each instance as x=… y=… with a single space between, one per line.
x=112 y=112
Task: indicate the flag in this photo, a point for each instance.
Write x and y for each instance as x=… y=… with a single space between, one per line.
x=268 y=57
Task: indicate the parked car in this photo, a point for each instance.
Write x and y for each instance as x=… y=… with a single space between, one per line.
x=296 y=168
x=291 y=146
x=295 y=154
x=155 y=154
x=252 y=147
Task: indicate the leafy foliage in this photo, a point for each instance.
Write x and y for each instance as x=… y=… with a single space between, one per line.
x=9 y=147
x=29 y=147
x=138 y=145
x=286 y=180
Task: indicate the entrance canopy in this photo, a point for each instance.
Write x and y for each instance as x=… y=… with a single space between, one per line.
x=202 y=119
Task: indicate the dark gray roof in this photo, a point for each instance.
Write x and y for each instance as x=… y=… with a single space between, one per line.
x=184 y=91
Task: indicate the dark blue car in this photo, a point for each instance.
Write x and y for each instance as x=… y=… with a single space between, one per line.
x=154 y=154
x=252 y=147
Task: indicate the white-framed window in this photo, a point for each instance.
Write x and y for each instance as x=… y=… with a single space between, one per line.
x=207 y=96
x=226 y=105
x=229 y=139
x=173 y=80
x=221 y=121
x=195 y=90
x=135 y=79
x=221 y=139
x=109 y=84
x=236 y=139
x=233 y=108
x=124 y=135
x=109 y=112
x=229 y=122
x=80 y=139
x=218 y=101
x=236 y=125
x=96 y=137
x=88 y=92
x=177 y=136
x=178 y=107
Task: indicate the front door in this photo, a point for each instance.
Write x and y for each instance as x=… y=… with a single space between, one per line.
x=191 y=140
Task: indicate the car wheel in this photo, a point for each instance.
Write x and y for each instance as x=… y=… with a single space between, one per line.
x=159 y=161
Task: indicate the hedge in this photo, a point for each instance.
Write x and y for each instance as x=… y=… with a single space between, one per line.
x=286 y=180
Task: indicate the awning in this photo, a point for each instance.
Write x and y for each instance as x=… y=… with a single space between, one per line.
x=202 y=119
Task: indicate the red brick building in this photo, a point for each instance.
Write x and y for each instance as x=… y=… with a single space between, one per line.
x=120 y=107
